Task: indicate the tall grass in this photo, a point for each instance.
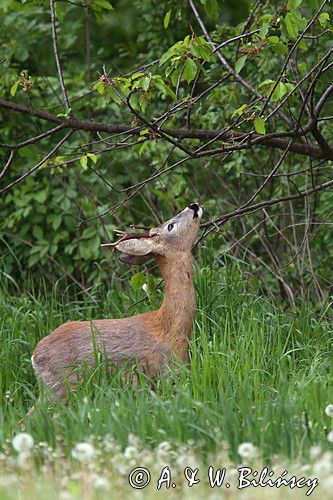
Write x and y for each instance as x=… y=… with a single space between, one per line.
x=259 y=372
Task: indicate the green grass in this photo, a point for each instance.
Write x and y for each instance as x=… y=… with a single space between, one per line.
x=259 y=372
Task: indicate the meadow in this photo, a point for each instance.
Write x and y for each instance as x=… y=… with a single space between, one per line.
x=260 y=374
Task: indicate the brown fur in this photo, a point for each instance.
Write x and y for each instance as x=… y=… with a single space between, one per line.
x=150 y=340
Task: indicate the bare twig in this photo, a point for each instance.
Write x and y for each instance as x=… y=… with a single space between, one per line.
x=56 y=55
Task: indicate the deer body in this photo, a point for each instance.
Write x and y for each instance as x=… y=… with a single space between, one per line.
x=150 y=340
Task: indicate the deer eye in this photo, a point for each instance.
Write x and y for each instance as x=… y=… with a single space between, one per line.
x=170 y=227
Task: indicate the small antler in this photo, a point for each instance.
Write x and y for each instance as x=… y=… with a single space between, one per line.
x=129 y=236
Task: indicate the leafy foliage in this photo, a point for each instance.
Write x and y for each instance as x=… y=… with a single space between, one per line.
x=132 y=62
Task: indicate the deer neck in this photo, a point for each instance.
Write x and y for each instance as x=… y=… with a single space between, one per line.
x=176 y=314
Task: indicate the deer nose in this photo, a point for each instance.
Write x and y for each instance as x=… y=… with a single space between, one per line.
x=195 y=207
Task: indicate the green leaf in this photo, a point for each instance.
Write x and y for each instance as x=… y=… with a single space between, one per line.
x=99 y=87
x=40 y=196
x=136 y=75
x=211 y=7
x=190 y=70
x=88 y=233
x=114 y=95
x=167 y=19
x=164 y=88
x=166 y=56
x=14 y=89
x=103 y=4
x=289 y=86
x=33 y=259
x=37 y=232
x=56 y=221
x=264 y=30
x=293 y=4
x=150 y=289
x=324 y=20
x=266 y=82
x=279 y=92
x=280 y=48
x=92 y=157
x=84 y=162
x=240 y=63
x=145 y=82
x=239 y=111
x=176 y=48
x=138 y=280
x=143 y=147
x=259 y=125
x=273 y=39
x=292 y=25
x=302 y=67
x=201 y=49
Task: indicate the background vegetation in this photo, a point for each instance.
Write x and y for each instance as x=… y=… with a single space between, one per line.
x=49 y=223
x=113 y=115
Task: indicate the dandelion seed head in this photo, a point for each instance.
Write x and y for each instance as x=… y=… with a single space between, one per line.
x=164 y=446
x=315 y=451
x=329 y=410
x=101 y=483
x=23 y=442
x=131 y=453
x=134 y=440
x=84 y=452
x=247 y=450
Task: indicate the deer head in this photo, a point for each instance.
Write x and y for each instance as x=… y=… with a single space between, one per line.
x=167 y=240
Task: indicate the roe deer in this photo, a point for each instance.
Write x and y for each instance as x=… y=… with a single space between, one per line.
x=151 y=339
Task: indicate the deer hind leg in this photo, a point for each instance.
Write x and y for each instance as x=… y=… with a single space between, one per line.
x=52 y=379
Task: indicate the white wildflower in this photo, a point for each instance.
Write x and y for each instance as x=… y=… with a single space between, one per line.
x=231 y=474
x=101 y=483
x=329 y=410
x=164 y=452
x=185 y=460
x=23 y=442
x=131 y=453
x=164 y=446
x=315 y=451
x=134 y=440
x=247 y=450
x=330 y=437
x=84 y=452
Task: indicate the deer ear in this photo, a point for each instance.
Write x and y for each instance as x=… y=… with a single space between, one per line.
x=136 y=247
x=133 y=260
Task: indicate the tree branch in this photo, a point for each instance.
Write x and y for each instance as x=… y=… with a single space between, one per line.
x=264 y=204
x=56 y=55
x=258 y=140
